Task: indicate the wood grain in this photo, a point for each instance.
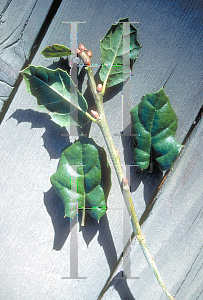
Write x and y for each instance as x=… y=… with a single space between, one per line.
x=20 y=24
x=32 y=222
x=173 y=232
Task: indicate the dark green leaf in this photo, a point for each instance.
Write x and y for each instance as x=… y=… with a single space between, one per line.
x=154 y=124
x=56 y=94
x=56 y=51
x=119 y=50
x=83 y=180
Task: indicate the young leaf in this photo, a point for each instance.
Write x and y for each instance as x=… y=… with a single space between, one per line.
x=114 y=46
x=56 y=51
x=154 y=124
x=56 y=93
x=83 y=180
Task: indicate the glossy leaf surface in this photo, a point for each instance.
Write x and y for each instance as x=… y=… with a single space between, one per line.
x=83 y=178
x=57 y=94
x=56 y=51
x=154 y=124
x=119 y=50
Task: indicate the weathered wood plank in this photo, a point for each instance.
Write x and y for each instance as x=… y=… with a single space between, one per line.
x=20 y=23
x=174 y=232
x=32 y=222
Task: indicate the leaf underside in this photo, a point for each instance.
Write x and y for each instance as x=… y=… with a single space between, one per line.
x=56 y=51
x=119 y=50
x=57 y=95
x=83 y=178
x=154 y=124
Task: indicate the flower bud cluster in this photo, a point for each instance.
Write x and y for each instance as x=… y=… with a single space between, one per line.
x=87 y=61
x=89 y=54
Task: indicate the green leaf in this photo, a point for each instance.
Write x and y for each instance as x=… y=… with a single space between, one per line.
x=154 y=124
x=119 y=50
x=57 y=94
x=56 y=51
x=83 y=180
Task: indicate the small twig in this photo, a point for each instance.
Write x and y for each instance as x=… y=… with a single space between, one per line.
x=102 y=123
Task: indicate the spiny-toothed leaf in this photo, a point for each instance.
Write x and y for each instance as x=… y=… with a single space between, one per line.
x=57 y=94
x=154 y=124
x=119 y=50
x=56 y=51
x=83 y=180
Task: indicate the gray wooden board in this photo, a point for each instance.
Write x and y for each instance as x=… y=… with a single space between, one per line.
x=173 y=233
x=20 y=23
x=32 y=220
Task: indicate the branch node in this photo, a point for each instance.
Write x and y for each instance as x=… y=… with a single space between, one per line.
x=124 y=182
x=141 y=238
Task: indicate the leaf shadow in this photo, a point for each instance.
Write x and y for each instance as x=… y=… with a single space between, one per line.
x=122 y=287
x=105 y=238
x=62 y=63
x=61 y=225
x=113 y=91
x=110 y=92
x=55 y=138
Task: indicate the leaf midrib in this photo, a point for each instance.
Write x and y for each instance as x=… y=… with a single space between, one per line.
x=77 y=107
x=152 y=125
x=105 y=82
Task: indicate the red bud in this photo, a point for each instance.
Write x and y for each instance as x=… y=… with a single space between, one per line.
x=87 y=62
x=77 y=51
x=95 y=114
x=82 y=47
x=99 y=87
x=89 y=53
